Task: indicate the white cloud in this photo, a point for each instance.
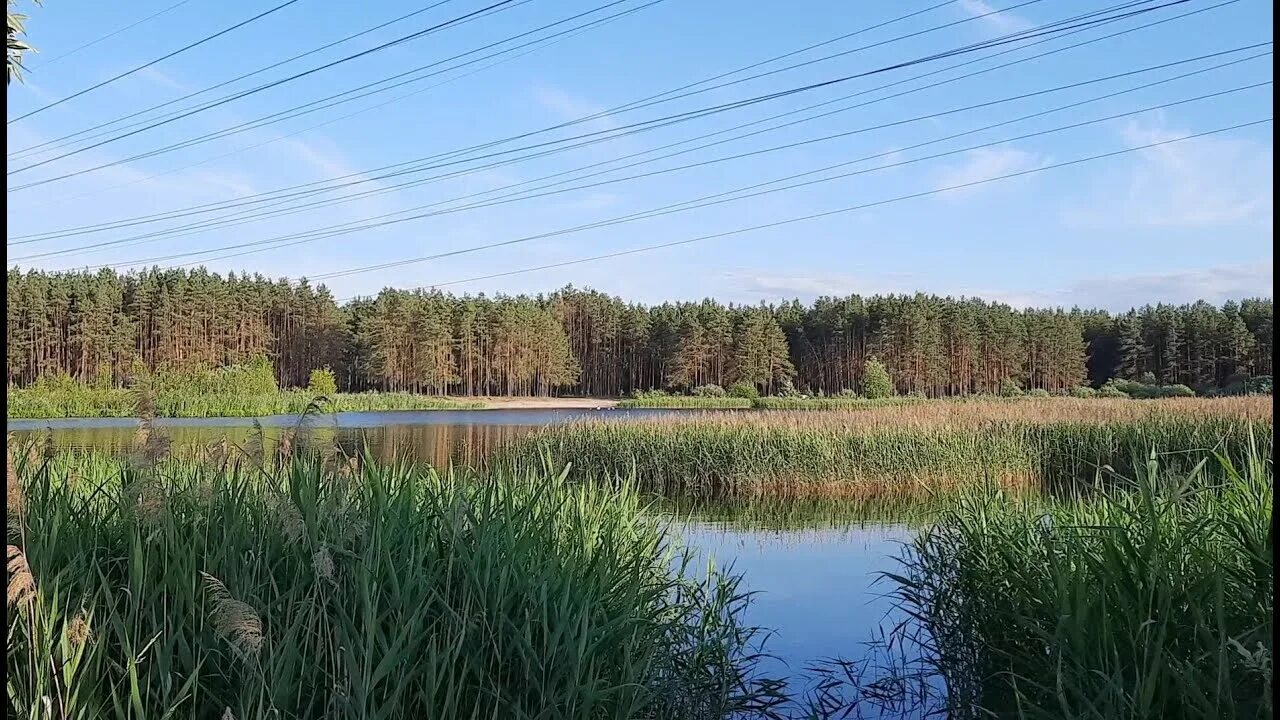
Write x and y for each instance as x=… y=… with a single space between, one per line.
x=1199 y=182
x=1121 y=292
x=985 y=163
x=1004 y=22
x=775 y=285
x=571 y=107
x=1112 y=292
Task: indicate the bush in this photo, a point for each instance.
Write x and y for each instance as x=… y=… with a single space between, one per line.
x=1010 y=388
x=1111 y=390
x=1038 y=393
x=876 y=380
x=848 y=393
x=1260 y=385
x=1084 y=391
x=743 y=390
x=788 y=390
x=1177 y=391
x=647 y=394
x=322 y=383
x=709 y=390
x=1147 y=378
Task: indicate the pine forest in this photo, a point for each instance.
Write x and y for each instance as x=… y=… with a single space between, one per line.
x=101 y=328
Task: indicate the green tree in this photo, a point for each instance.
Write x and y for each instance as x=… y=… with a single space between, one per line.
x=322 y=382
x=876 y=382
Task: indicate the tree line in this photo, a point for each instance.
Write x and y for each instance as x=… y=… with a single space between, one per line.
x=104 y=327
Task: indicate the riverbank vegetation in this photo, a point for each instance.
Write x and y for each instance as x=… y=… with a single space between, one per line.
x=306 y=584
x=912 y=449
x=247 y=390
x=1152 y=599
x=96 y=327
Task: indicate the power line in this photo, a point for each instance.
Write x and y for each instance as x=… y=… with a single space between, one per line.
x=213 y=207
x=853 y=208
x=162 y=58
x=215 y=135
x=109 y=35
x=1047 y=29
x=704 y=201
x=537 y=45
x=18 y=154
x=316 y=105
x=719 y=198
x=523 y=195
x=252 y=91
x=585 y=118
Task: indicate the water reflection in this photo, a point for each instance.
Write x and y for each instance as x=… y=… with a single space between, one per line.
x=439 y=437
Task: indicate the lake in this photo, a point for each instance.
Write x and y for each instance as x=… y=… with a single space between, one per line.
x=813 y=567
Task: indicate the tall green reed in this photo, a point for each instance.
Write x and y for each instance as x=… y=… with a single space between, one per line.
x=281 y=582
x=1151 y=599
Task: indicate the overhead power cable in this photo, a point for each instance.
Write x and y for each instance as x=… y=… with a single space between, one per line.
x=839 y=211
x=18 y=154
x=265 y=197
x=160 y=59
x=109 y=35
x=546 y=190
x=253 y=91
x=1061 y=26
x=218 y=134
x=704 y=201
x=324 y=103
x=506 y=56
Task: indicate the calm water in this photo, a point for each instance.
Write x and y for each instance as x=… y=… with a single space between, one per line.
x=814 y=572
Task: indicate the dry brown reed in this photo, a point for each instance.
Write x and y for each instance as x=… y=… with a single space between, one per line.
x=21 y=588
x=972 y=414
x=234 y=619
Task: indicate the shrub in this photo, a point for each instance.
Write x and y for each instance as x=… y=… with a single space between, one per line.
x=709 y=390
x=322 y=383
x=1260 y=385
x=1038 y=393
x=1147 y=378
x=1084 y=391
x=1177 y=391
x=876 y=380
x=1111 y=390
x=788 y=390
x=1010 y=388
x=848 y=393
x=647 y=394
x=743 y=390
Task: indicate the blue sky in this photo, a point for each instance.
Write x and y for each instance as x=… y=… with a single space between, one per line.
x=1181 y=221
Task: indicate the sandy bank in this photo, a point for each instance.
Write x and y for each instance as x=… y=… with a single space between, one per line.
x=543 y=403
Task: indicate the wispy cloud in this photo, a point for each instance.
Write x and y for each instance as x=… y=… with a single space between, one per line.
x=985 y=163
x=1004 y=22
x=572 y=107
x=806 y=286
x=1199 y=182
x=1121 y=292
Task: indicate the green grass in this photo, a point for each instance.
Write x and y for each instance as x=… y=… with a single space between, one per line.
x=723 y=456
x=89 y=402
x=305 y=587
x=1151 y=600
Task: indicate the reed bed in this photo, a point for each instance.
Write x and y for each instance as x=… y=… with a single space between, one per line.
x=833 y=403
x=300 y=584
x=905 y=452
x=1152 y=600
x=686 y=401
x=84 y=402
